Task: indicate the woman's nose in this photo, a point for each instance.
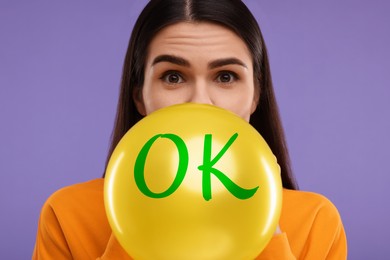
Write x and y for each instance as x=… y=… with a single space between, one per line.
x=201 y=94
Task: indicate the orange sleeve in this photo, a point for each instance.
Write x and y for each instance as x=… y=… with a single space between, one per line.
x=73 y=225
x=312 y=229
x=50 y=242
x=327 y=239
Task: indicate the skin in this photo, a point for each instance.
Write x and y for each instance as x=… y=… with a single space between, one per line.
x=201 y=63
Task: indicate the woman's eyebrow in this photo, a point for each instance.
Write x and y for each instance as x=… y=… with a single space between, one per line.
x=171 y=59
x=226 y=61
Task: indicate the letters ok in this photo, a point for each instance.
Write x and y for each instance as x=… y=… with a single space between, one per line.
x=207 y=169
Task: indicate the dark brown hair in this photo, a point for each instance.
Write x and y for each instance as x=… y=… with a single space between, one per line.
x=232 y=14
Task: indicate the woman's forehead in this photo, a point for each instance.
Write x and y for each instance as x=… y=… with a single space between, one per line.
x=188 y=39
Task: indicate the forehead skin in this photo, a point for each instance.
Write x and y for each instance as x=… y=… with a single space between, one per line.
x=193 y=39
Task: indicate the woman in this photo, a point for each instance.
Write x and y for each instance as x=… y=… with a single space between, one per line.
x=201 y=51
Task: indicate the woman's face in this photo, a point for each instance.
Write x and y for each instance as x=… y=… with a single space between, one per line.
x=200 y=63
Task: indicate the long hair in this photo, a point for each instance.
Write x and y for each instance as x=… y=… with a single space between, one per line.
x=234 y=15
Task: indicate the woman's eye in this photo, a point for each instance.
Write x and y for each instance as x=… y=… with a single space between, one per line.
x=226 y=77
x=172 y=78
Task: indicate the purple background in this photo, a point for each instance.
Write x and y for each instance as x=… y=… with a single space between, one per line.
x=60 y=65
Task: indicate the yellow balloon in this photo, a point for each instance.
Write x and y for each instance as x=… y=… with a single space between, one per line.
x=193 y=181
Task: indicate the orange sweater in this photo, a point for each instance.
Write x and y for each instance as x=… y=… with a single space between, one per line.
x=73 y=225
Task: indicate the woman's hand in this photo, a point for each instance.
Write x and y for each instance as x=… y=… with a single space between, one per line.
x=114 y=250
